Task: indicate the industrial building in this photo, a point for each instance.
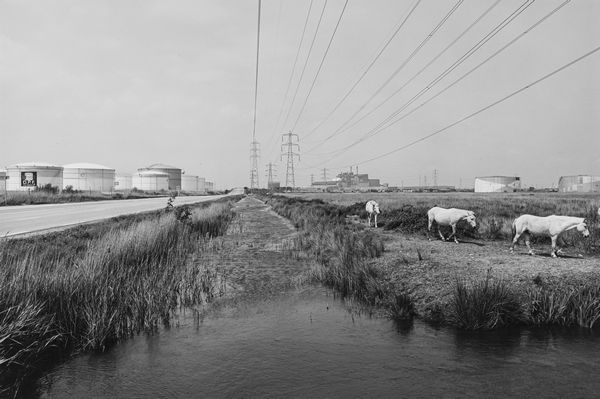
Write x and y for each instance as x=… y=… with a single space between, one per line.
x=210 y=186
x=202 y=185
x=497 y=184
x=579 y=184
x=123 y=181
x=173 y=173
x=89 y=177
x=149 y=180
x=29 y=175
x=350 y=181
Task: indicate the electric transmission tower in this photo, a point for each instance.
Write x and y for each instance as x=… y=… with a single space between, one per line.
x=435 y=178
x=270 y=172
x=254 y=155
x=287 y=149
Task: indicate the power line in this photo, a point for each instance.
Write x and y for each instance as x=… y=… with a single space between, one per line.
x=514 y=93
x=416 y=74
x=380 y=127
x=404 y=63
x=293 y=70
x=396 y=31
x=305 y=64
x=320 y=65
x=256 y=78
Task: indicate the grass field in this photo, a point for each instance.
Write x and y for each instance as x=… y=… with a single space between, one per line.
x=407 y=212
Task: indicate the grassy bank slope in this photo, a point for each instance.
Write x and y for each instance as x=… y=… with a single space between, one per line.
x=59 y=295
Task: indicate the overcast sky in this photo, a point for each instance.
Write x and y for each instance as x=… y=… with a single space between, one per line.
x=131 y=83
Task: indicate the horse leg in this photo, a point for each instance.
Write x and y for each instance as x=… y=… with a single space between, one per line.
x=440 y=233
x=515 y=241
x=453 y=234
x=527 y=236
x=375 y=220
x=430 y=222
x=369 y=220
x=553 y=250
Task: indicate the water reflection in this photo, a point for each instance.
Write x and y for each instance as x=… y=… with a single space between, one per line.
x=307 y=344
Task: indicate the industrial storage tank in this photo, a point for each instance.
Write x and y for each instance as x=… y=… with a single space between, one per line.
x=123 y=181
x=497 y=184
x=2 y=180
x=202 y=185
x=579 y=184
x=189 y=183
x=149 y=180
x=173 y=173
x=29 y=175
x=210 y=186
x=89 y=177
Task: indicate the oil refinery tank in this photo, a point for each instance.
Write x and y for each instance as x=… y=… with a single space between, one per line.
x=2 y=180
x=89 y=177
x=173 y=173
x=123 y=181
x=497 y=184
x=202 y=185
x=149 y=180
x=579 y=184
x=189 y=183
x=29 y=175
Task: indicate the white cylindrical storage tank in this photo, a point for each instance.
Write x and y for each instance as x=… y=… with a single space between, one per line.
x=2 y=180
x=89 y=177
x=173 y=173
x=202 y=185
x=497 y=184
x=27 y=176
x=189 y=183
x=579 y=184
x=123 y=181
x=210 y=186
x=150 y=181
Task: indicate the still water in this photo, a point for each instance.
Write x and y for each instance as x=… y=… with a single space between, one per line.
x=307 y=344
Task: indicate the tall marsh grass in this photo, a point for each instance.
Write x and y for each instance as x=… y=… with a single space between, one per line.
x=343 y=253
x=128 y=280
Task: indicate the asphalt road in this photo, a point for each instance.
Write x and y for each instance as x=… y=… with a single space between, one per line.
x=23 y=219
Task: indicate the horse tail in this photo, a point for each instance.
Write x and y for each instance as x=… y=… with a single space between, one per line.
x=514 y=227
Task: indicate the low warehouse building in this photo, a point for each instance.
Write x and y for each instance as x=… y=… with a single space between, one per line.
x=123 y=182
x=29 y=175
x=89 y=177
x=497 y=184
x=202 y=185
x=173 y=173
x=150 y=181
x=579 y=184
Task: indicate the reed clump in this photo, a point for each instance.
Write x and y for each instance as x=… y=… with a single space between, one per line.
x=128 y=280
x=484 y=305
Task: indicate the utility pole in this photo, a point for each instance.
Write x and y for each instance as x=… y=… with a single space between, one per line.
x=270 y=171
x=325 y=174
x=435 y=178
x=254 y=155
x=288 y=148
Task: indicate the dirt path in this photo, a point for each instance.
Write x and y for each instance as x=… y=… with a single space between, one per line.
x=251 y=255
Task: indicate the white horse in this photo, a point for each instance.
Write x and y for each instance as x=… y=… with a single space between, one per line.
x=550 y=226
x=372 y=208
x=449 y=217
